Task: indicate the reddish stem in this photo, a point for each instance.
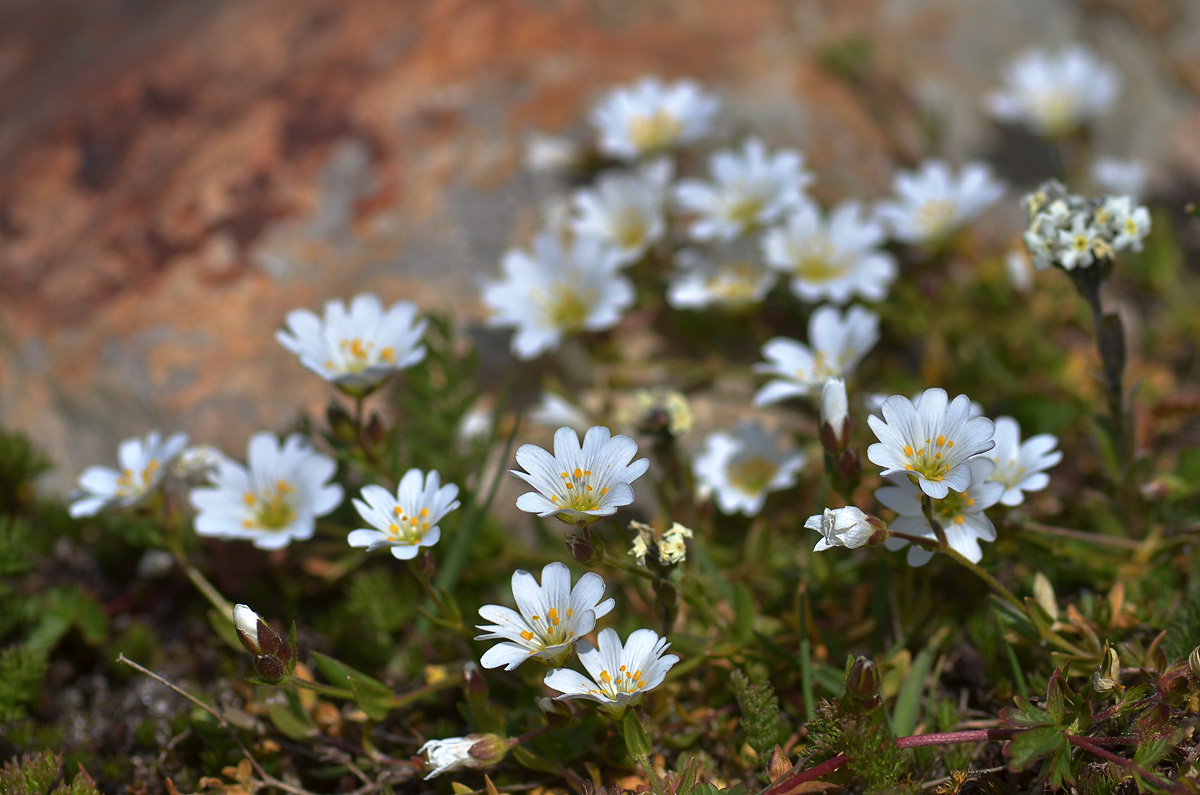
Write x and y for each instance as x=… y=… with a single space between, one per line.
x=1087 y=745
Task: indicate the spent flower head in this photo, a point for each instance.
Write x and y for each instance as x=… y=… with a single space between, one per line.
x=1054 y=94
x=1021 y=466
x=621 y=674
x=143 y=463
x=660 y=411
x=650 y=116
x=273 y=500
x=408 y=520
x=838 y=343
x=832 y=258
x=580 y=484
x=553 y=291
x=552 y=617
x=929 y=441
x=667 y=547
x=960 y=513
x=932 y=202
x=749 y=188
x=1073 y=231
x=357 y=349
x=739 y=470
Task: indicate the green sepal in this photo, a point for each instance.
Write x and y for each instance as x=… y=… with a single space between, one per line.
x=636 y=739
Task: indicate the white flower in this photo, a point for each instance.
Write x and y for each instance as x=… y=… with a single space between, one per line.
x=246 y=621
x=274 y=500
x=960 y=514
x=196 y=463
x=551 y=292
x=1053 y=94
x=620 y=675
x=838 y=344
x=730 y=275
x=359 y=349
x=835 y=411
x=1120 y=176
x=143 y=464
x=739 y=470
x=750 y=188
x=553 y=617
x=1016 y=268
x=407 y=521
x=551 y=154
x=932 y=202
x=625 y=210
x=1021 y=466
x=554 y=411
x=649 y=117
x=1130 y=222
x=831 y=260
x=929 y=441
x=580 y=485
x=843 y=527
x=475 y=751
x=1075 y=244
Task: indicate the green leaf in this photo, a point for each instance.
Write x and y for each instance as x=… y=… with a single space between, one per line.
x=370 y=694
x=908 y=700
x=1027 y=747
x=294 y=723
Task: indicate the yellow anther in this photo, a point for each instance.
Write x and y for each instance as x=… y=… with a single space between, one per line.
x=605 y=678
x=578 y=472
x=424 y=512
x=570 y=485
x=941 y=441
x=526 y=634
x=908 y=450
x=249 y=498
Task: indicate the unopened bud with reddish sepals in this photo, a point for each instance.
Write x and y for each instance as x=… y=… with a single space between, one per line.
x=847 y=527
x=585 y=548
x=475 y=751
x=274 y=657
x=862 y=682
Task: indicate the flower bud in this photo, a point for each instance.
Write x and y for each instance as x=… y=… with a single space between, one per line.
x=341 y=423
x=474 y=685
x=585 y=548
x=862 y=682
x=1106 y=677
x=271 y=669
x=1194 y=661
x=779 y=766
x=274 y=657
x=847 y=527
x=474 y=751
x=835 y=415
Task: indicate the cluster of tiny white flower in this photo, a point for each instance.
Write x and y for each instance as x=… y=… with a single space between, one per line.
x=1074 y=231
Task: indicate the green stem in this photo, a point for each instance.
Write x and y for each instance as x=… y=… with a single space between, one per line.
x=396 y=702
x=324 y=690
x=202 y=584
x=938 y=530
x=982 y=574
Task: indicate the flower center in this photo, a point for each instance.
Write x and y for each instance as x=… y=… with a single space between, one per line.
x=819 y=263
x=130 y=483
x=934 y=217
x=952 y=508
x=752 y=473
x=1055 y=110
x=734 y=281
x=547 y=630
x=745 y=205
x=566 y=308
x=927 y=460
x=624 y=681
x=631 y=227
x=358 y=355
x=578 y=494
x=272 y=510
x=408 y=529
x=655 y=131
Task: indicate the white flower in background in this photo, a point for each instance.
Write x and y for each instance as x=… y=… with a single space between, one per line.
x=730 y=275
x=551 y=154
x=408 y=520
x=834 y=414
x=832 y=259
x=740 y=469
x=621 y=675
x=553 y=617
x=475 y=751
x=359 y=349
x=475 y=426
x=929 y=441
x=660 y=410
x=580 y=484
x=669 y=545
x=555 y=411
x=143 y=464
x=551 y=292
x=844 y=527
x=931 y=203
x=1112 y=175
x=650 y=116
x=196 y=463
x=1020 y=466
x=273 y=500
x=750 y=188
x=1075 y=244
x=961 y=515
x=1017 y=269
x=625 y=210
x=1130 y=222
x=839 y=343
x=1053 y=94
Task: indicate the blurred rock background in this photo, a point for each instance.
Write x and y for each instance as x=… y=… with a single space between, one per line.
x=176 y=175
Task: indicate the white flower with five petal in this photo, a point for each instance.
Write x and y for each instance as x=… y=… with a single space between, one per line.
x=555 y=291
x=552 y=617
x=961 y=514
x=933 y=202
x=273 y=500
x=832 y=259
x=1130 y=222
x=143 y=463
x=580 y=484
x=930 y=440
x=625 y=210
x=739 y=470
x=1021 y=466
x=356 y=349
x=1076 y=244
x=408 y=520
x=750 y=188
x=838 y=344
x=650 y=116
x=730 y=275
x=1053 y=94
x=621 y=674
